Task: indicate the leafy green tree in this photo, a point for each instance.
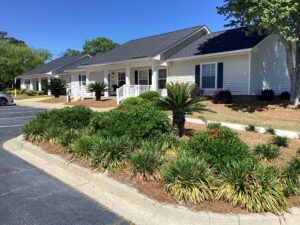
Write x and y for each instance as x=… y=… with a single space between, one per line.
x=69 y=52
x=280 y=17
x=98 y=45
x=179 y=102
x=11 y=40
x=17 y=58
x=98 y=88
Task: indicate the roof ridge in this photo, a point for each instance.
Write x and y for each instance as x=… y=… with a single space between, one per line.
x=155 y=35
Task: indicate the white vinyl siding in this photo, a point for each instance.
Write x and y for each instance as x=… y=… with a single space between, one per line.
x=235 y=71
x=268 y=67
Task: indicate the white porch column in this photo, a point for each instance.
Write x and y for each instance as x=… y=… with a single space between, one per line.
x=31 y=84
x=22 y=82
x=127 y=80
x=106 y=94
x=40 y=84
x=154 y=77
x=87 y=78
x=48 y=80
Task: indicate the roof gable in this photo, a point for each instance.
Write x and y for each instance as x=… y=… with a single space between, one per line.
x=144 y=47
x=55 y=64
x=223 y=41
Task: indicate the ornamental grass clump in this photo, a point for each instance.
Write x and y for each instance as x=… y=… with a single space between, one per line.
x=146 y=162
x=111 y=153
x=266 y=151
x=292 y=177
x=254 y=187
x=190 y=179
x=280 y=141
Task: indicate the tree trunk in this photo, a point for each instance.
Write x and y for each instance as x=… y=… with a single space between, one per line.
x=294 y=70
x=98 y=96
x=180 y=121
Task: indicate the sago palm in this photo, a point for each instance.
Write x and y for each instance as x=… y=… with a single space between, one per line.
x=56 y=86
x=180 y=103
x=98 y=88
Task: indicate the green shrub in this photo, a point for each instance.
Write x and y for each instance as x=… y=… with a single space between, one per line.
x=250 y=127
x=147 y=161
x=280 y=141
x=111 y=153
x=219 y=145
x=149 y=95
x=292 y=177
x=270 y=130
x=31 y=92
x=23 y=91
x=266 y=151
x=138 y=122
x=256 y=188
x=189 y=179
x=133 y=101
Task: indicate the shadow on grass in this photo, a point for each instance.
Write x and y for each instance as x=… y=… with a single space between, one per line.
x=252 y=105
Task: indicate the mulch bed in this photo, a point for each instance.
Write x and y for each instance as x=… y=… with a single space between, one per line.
x=104 y=103
x=154 y=188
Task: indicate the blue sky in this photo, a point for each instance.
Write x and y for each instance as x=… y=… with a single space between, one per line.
x=60 y=24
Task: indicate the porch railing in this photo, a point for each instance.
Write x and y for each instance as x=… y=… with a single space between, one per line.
x=80 y=92
x=127 y=91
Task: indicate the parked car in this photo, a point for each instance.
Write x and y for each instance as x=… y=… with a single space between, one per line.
x=6 y=99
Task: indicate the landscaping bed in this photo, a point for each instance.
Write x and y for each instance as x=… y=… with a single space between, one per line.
x=213 y=170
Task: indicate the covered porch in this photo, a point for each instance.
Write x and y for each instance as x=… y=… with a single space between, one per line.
x=126 y=79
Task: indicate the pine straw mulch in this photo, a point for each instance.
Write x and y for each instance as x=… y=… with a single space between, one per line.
x=154 y=188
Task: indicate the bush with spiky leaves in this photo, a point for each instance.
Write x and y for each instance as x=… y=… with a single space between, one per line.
x=148 y=160
x=189 y=179
x=98 y=88
x=111 y=153
x=180 y=103
x=266 y=151
x=292 y=176
x=56 y=86
x=248 y=184
x=280 y=141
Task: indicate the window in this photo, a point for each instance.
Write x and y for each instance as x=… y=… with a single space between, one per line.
x=143 y=77
x=162 y=78
x=27 y=84
x=121 y=79
x=82 y=80
x=209 y=75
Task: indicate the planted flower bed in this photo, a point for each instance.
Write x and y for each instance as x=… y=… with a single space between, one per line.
x=210 y=169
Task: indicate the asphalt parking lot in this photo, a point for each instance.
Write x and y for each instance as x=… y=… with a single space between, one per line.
x=30 y=197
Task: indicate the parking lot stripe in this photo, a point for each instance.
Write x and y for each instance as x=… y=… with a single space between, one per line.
x=22 y=112
x=17 y=125
x=18 y=117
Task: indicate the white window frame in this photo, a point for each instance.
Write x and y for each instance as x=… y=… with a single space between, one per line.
x=162 y=79
x=147 y=76
x=121 y=71
x=80 y=80
x=216 y=75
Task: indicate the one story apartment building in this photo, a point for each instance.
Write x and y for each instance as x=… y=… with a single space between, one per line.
x=230 y=59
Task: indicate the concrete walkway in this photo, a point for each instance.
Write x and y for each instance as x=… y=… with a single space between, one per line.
x=283 y=133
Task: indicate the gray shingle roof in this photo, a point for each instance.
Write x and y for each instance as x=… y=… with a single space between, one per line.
x=74 y=65
x=55 y=64
x=144 y=47
x=223 y=41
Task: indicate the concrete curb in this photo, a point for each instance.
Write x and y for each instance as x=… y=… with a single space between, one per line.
x=126 y=201
x=283 y=133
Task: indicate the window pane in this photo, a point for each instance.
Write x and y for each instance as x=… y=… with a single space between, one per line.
x=208 y=75
x=143 y=77
x=162 y=74
x=121 y=76
x=83 y=80
x=143 y=82
x=162 y=84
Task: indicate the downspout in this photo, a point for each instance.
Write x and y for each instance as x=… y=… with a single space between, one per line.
x=249 y=75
